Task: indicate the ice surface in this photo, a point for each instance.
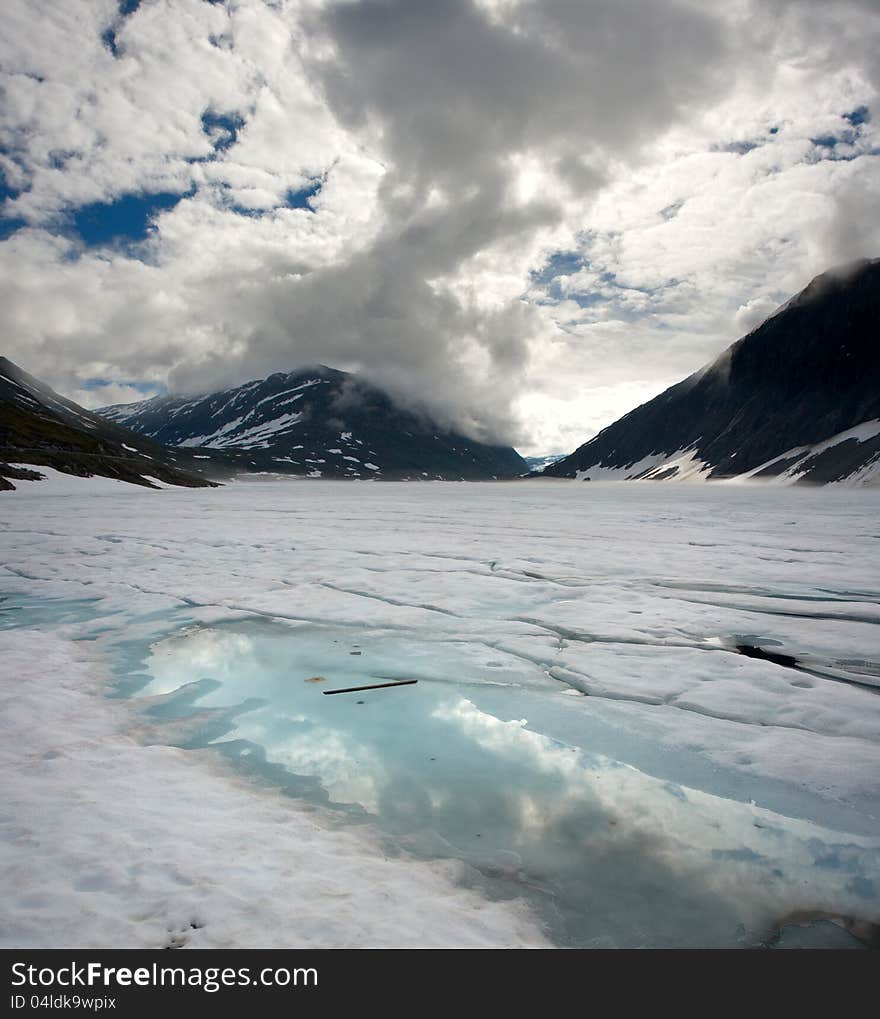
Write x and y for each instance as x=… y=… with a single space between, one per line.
x=452 y=768
x=108 y=843
x=585 y=736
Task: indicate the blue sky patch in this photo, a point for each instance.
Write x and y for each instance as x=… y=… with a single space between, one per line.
x=8 y=224
x=108 y=36
x=59 y=158
x=583 y=300
x=6 y=190
x=141 y=387
x=609 y=290
x=849 y=135
x=222 y=128
x=302 y=199
x=560 y=263
x=244 y=210
x=861 y=115
x=567 y=263
x=224 y=193
x=828 y=146
x=127 y=218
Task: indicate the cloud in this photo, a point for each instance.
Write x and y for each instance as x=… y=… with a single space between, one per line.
x=696 y=163
x=751 y=314
x=105 y=394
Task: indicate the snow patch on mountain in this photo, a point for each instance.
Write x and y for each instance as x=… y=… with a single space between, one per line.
x=868 y=473
x=336 y=413
x=683 y=465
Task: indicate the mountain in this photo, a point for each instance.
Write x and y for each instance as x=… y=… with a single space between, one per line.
x=40 y=428
x=316 y=422
x=798 y=399
x=537 y=464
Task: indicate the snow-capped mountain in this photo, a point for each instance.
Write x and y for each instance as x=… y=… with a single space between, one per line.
x=315 y=422
x=797 y=399
x=537 y=464
x=39 y=428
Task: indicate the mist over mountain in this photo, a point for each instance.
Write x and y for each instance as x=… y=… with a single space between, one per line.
x=316 y=422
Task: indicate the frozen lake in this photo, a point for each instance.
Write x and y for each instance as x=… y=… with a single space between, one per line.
x=644 y=716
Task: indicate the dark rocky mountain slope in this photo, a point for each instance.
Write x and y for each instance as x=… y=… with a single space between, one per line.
x=797 y=398
x=39 y=428
x=315 y=422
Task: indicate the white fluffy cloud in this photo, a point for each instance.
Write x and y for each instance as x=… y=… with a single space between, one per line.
x=104 y=394
x=694 y=163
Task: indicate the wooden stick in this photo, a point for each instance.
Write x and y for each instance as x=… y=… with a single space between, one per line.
x=372 y=686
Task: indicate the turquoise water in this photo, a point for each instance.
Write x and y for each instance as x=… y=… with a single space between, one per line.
x=538 y=795
x=612 y=841
x=28 y=610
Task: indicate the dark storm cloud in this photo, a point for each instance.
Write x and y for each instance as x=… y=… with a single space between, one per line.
x=455 y=98
x=386 y=186
x=456 y=92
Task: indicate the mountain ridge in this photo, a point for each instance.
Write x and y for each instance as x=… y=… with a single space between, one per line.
x=316 y=421
x=808 y=373
x=38 y=427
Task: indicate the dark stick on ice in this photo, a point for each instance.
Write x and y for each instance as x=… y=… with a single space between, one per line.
x=373 y=686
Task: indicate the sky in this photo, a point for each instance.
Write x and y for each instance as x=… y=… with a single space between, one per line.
x=525 y=217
